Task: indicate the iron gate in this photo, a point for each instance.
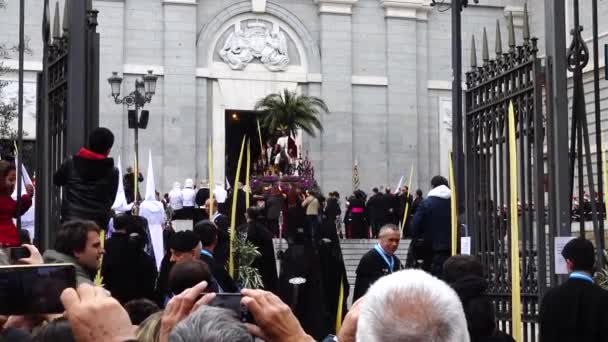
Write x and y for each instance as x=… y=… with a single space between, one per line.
x=68 y=101
x=513 y=76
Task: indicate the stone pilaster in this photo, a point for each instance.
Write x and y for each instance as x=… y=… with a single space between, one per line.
x=336 y=90
x=407 y=131
x=179 y=130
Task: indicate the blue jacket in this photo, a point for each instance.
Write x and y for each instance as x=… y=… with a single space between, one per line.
x=432 y=221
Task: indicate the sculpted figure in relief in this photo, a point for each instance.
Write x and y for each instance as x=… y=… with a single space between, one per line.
x=257 y=41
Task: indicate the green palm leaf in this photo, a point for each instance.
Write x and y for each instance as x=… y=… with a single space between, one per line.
x=286 y=110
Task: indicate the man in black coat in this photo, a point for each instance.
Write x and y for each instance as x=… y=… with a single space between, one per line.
x=433 y=223
x=208 y=234
x=379 y=261
x=222 y=250
x=377 y=210
x=575 y=310
x=128 y=181
x=89 y=180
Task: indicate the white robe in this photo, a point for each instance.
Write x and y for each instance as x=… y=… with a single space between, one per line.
x=188 y=195
x=154 y=212
x=176 y=199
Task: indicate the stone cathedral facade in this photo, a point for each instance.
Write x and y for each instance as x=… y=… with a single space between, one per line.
x=382 y=66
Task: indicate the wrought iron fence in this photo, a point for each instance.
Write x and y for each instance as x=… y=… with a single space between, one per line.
x=514 y=77
x=68 y=101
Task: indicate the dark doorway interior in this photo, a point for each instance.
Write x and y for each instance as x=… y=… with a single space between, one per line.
x=240 y=123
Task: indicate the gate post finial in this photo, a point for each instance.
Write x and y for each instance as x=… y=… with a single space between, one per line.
x=511 y=32
x=56 y=28
x=485 y=53
x=498 y=49
x=66 y=18
x=526 y=25
x=473 y=54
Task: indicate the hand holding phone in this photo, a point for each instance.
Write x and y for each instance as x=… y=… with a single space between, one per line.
x=34 y=289
x=232 y=301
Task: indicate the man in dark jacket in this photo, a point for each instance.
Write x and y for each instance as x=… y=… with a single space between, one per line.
x=377 y=210
x=128 y=181
x=207 y=232
x=379 y=261
x=90 y=181
x=223 y=233
x=432 y=223
x=575 y=310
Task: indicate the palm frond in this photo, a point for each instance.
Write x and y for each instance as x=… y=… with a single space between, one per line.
x=286 y=110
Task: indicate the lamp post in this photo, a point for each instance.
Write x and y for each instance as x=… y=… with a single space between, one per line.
x=144 y=90
x=457 y=133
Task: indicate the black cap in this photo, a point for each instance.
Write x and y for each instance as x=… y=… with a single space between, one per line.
x=183 y=241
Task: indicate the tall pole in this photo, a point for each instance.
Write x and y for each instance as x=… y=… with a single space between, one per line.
x=557 y=126
x=136 y=173
x=598 y=132
x=457 y=148
x=20 y=117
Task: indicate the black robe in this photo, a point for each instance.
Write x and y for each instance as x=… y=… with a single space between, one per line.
x=309 y=303
x=128 y=272
x=266 y=264
x=371 y=268
x=574 y=311
x=333 y=270
x=356 y=219
x=222 y=250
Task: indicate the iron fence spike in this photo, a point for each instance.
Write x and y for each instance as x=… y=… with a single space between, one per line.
x=498 y=39
x=526 y=24
x=485 y=53
x=66 y=16
x=56 y=26
x=473 y=53
x=511 y=31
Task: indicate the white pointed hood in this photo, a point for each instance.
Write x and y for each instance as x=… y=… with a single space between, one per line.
x=120 y=202
x=150 y=187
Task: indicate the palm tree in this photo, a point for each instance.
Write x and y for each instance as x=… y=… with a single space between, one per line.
x=288 y=111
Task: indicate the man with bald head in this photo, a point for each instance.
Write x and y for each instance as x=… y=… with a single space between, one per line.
x=379 y=261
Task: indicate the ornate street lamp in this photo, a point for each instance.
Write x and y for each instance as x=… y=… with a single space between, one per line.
x=144 y=90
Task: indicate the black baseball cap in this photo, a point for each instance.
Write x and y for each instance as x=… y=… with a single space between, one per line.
x=183 y=241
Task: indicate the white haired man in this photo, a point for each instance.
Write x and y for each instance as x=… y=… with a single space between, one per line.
x=379 y=261
x=409 y=305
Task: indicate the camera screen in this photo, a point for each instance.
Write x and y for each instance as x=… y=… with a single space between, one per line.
x=34 y=289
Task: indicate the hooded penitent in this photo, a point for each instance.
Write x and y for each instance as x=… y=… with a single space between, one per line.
x=154 y=212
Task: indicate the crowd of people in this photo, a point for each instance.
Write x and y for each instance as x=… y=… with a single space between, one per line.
x=127 y=290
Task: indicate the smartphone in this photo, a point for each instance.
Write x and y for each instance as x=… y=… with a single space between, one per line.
x=232 y=301
x=34 y=289
x=17 y=253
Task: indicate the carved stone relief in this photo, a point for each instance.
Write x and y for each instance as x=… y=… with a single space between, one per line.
x=257 y=40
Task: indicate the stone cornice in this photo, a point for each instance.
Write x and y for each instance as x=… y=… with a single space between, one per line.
x=180 y=2
x=408 y=9
x=336 y=6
